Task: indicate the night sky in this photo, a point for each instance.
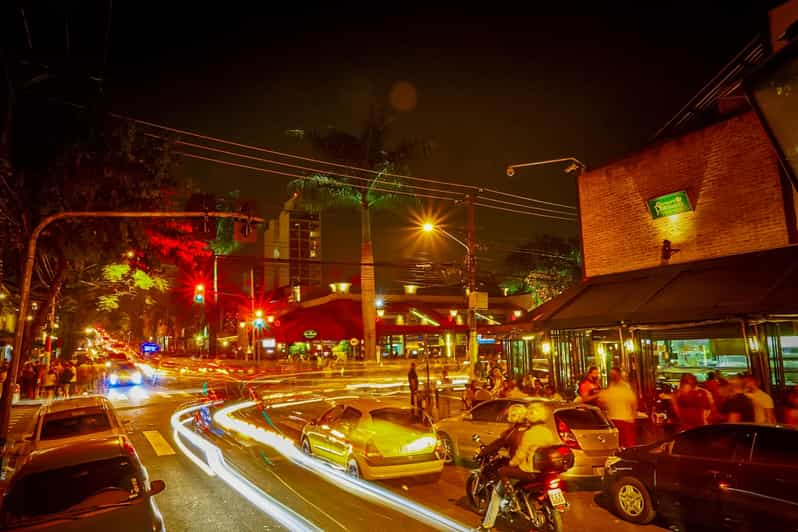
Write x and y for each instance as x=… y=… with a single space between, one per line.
x=495 y=84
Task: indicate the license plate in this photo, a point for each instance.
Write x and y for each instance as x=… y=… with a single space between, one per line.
x=598 y=471
x=557 y=498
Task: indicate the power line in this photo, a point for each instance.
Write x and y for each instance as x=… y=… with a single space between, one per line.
x=297 y=176
x=361 y=187
x=349 y=176
x=330 y=163
x=477 y=204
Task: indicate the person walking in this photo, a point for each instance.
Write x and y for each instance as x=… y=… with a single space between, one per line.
x=620 y=401
x=764 y=409
x=412 y=381
x=50 y=384
x=589 y=387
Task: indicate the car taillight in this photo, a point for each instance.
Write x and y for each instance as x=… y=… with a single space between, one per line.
x=127 y=446
x=566 y=435
x=372 y=451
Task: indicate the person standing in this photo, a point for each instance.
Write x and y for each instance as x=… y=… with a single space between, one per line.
x=65 y=378
x=791 y=408
x=692 y=404
x=620 y=401
x=737 y=407
x=412 y=381
x=589 y=388
x=764 y=409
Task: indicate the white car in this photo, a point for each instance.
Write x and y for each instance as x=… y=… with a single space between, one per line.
x=69 y=420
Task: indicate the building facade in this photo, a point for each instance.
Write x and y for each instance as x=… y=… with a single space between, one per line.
x=690 y=253
x=292 y=248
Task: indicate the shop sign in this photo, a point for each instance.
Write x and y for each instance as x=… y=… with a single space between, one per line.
x=148 y=347
x=310 y=334
x=353 y=342
x=669 y=204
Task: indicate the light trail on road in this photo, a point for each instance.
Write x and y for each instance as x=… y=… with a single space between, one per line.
x=217 y=466
x=286 y=447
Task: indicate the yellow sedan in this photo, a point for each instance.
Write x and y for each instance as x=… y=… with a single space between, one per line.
x=375 y=439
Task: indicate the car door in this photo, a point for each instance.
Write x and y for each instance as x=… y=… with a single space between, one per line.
x=484 y=420
x=317 y=433
x=693 y=476
x=339 y=436
x=768 y=490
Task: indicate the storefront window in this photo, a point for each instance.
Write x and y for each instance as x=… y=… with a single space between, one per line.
x=789 y=350
x=725 y=356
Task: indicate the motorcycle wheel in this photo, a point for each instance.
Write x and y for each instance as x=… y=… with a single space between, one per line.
x=552 y=519
x=478 y=494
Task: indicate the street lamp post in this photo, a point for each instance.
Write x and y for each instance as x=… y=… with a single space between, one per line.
x=576 y=167
x=471 y=284
x=24 y=289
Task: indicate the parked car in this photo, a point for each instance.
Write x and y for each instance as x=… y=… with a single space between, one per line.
x=583 y=428
x=123 y=374
x=738 y=476
x=375 y=439
x=71 y=420
x=94 y=485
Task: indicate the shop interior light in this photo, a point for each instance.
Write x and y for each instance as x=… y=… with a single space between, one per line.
x=629 y=345
x=545 y=347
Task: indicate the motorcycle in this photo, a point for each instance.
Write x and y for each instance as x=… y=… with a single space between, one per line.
x=539 y=503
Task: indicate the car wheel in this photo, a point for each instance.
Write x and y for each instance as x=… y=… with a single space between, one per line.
x=631 y=501
x=447 y=448
x=352 y=469
x=306 y=450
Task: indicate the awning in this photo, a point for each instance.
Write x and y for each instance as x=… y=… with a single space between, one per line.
x=751 y=285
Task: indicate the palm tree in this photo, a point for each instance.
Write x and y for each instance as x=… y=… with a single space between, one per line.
x=380 y=190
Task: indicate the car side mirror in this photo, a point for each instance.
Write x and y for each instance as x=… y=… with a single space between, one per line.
x=157 y=486
x=468 y=416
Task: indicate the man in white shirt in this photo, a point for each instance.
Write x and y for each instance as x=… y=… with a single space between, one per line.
x=620 y=401
x=763 y=403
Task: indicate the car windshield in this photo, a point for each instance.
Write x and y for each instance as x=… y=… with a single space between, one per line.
x=72 y=489
x=583 y=418
x=411 y=418
x=74 y=423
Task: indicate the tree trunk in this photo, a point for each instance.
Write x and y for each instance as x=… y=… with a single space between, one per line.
x=367 y=288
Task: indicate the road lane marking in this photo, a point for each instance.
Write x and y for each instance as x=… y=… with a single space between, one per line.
x=158 y=442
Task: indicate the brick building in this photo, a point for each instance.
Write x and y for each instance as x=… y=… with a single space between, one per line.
x=689 y=249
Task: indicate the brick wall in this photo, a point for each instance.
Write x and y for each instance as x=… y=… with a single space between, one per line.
x=731 y=175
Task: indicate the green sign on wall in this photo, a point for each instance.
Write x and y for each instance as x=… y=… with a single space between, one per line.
x=669 y=204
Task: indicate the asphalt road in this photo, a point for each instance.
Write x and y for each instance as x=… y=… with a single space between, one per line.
x=195 y=501
x=448 y=496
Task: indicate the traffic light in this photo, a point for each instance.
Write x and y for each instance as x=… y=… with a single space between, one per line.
x=199 y=294
x=258 y=322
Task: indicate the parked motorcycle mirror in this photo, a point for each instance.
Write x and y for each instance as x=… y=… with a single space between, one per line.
x=476 y=438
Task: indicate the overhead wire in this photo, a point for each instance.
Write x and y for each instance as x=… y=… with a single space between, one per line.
x=349 y=176
x=334 y=164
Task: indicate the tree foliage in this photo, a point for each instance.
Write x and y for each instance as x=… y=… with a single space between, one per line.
x=544 y=267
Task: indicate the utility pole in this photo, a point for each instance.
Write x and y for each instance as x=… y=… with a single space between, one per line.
x=252 y=343
x=24 y=287
x=473 y=344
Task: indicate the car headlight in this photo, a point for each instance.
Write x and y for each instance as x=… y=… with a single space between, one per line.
x=113 y=378
x=136 y=377
x=611 y=461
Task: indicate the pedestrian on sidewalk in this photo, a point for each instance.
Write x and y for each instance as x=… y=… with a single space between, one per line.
x=764 y=409
x=589 y=387
x=620 y=401
x=412 y=381
x=65 y=378
x=50 y=384
x=737 y=407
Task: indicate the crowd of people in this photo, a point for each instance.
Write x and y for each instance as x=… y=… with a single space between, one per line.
x=36 y=380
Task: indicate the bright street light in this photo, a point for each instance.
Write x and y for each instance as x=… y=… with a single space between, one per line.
x=428 y=227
